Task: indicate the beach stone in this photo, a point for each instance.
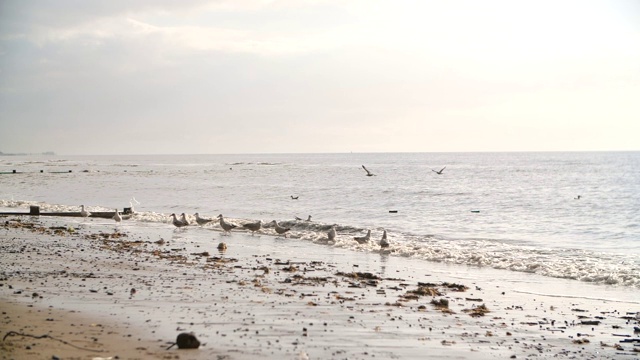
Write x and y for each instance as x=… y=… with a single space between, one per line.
x=187 y=341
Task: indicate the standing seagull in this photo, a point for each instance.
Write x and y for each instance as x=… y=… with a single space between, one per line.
x=225 y=225
x=84 y=213
x=183 y=218
x=363 y=239
x=439 y=172
x=202 y=221
x=177 y=222
x=369 y=173
x=279 y=229
x=383 y=242
x=253 y=227
x=117 y=217
x=332 y=233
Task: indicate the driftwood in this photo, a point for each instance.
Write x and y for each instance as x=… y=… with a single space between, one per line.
x=45 y=336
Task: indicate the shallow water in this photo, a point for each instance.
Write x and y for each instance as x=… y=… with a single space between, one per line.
x=512 y=211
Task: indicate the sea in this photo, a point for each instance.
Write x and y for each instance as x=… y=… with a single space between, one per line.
x=569 y=215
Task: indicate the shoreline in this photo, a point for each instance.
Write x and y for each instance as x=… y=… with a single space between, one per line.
x=275 y=298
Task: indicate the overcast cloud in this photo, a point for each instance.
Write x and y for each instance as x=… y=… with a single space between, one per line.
x=259 y=76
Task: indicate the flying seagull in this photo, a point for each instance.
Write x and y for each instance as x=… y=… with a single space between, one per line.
x=131 y=204
x=439 y=172
x=295 y=197
x=369 y=173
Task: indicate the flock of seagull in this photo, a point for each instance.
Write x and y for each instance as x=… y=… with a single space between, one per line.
x=253 y=227
x=85 y=214
x=256 y=226
x=369 y=173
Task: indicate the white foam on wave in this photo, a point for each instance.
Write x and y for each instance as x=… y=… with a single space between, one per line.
x=582 y=265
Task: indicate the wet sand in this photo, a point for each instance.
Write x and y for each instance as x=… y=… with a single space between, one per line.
x=128 y=291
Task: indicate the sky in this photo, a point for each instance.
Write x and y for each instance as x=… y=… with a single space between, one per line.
x=315 y=76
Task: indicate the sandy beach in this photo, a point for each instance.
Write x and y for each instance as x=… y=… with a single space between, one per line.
x=103 y=291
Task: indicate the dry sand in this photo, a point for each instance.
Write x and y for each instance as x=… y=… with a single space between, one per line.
x=99 y=291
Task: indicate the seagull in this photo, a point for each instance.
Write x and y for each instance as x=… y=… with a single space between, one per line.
x=177 y=222
x=84 y=213
x=295 y=197
x=309 y=218
x=202 y=221
x=577 y=197
x=131 y=204
x=253 y=227
x=439 y=172
x=369 y=173
x=299 y=219
x=363 y=239
x=183 y=218
x=225 y=225
x=332 y=233
x=117 y=217
x=279 y=229
x=383 y=242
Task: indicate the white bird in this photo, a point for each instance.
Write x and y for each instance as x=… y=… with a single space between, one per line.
x=177 y=222
x=117 y=217
x=383 y=242
x=363 y=239
x=253 y=227
x=332 y=233
x=183 y=218
x=202 y=221
x=84 y=213
x=439 y=172
x=131 y=204
x=369 y=173
x=227 y=227
x=279 y=229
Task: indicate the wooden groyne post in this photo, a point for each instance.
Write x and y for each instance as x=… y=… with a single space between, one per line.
x=34 y=210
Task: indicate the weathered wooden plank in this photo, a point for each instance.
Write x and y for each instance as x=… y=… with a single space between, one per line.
x=35 y=211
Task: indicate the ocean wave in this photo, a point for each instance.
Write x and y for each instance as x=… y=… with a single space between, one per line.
x=580 y=265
